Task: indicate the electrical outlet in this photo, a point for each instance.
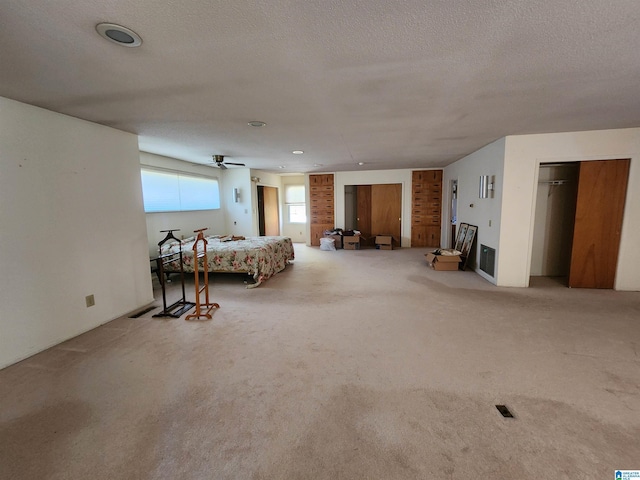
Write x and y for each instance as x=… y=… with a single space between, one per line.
x=91 y=301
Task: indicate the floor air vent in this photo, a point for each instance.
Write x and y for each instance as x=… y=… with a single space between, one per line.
x=487 y=260
x=142 y=312
x=504 y=411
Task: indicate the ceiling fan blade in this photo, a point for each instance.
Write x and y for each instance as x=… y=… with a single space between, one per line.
x=231 y=163
x=222 y=166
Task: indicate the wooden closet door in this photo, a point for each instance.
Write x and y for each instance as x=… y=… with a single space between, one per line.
x=602 y=189
x=271 y=215
x=386 y=210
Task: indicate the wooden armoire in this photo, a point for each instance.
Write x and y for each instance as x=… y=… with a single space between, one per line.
x=321 y=207
x=426 y=208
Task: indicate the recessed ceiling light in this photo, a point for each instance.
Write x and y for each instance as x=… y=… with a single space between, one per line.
x=123 y=36
x=281 y=166
x=360 y=163
x=317 y=164
x=256 y=123
x=297 y=152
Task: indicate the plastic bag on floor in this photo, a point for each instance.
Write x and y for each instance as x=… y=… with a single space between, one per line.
x=327 y=244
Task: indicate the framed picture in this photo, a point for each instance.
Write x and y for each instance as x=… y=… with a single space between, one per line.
x=462 y=233
x=469 y=237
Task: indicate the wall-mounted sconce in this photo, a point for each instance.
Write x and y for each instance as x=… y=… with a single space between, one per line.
x=236 y=195
x=255 y=179
x=486 y=186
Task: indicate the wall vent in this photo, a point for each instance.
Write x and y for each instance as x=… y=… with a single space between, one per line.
x=487 y=260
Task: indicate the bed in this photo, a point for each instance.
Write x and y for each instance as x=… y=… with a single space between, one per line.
x=260 y=257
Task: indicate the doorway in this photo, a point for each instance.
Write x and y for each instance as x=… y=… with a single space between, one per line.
x=454 y=212
x=268 y=212
x=374 y=210
x=578 y=222
x=554 y=218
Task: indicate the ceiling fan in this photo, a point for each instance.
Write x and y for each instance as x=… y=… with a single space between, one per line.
x=220 y=163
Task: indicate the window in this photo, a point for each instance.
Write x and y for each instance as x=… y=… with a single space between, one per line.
x=165 y=191
x=297 y=214
x=294 y=199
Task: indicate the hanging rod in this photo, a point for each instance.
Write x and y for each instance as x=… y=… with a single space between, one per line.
x=554 y=182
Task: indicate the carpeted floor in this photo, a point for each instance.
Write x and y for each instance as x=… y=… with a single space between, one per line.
x=347 y=365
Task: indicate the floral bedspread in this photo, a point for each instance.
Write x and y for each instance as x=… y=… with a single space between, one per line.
x=261 y=257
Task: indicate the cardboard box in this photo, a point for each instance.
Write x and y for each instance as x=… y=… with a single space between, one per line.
x=351 y=243
x=337 y=240
x=443 y=262
x=384 y=242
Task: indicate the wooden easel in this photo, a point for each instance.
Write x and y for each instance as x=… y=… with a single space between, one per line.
x=178 y=308
x=203 y=310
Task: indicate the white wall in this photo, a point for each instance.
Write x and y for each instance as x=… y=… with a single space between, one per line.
x=485 y=213
x=72 y=225
x=523 y=155
x=296 y=231
x=239 y=215
x=186 y=222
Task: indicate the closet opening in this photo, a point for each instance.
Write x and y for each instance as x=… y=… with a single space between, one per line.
x=268 y=211
x=374 y=210
x=554 y=221
x=578 y=222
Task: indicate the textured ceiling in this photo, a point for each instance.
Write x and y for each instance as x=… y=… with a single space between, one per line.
x=394 y=84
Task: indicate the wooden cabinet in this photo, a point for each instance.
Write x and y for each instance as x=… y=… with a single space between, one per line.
x=321 y=180
x=321 y=206
x=422 y=236
x=426 y=208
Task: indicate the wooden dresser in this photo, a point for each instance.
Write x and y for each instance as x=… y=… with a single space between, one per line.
x=426 y=208
x=322 y=207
